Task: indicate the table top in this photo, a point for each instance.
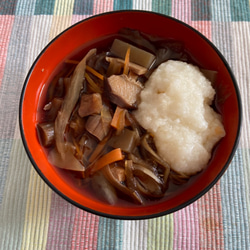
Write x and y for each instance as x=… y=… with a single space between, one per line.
x=32 y=216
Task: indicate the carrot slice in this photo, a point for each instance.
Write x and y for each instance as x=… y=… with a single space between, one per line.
x=94 y=72
x=112 y=156
x=118 y=121
x=126 y=62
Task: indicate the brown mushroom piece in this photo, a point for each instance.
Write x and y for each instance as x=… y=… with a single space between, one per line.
x=156 y=157
x=144 y=179
x=113 y=179
x=178 y=178
x=123 y=91
x=147 y=182
x=130 y=178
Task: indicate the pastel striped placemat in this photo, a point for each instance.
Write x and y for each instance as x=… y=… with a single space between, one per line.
x=32 y=216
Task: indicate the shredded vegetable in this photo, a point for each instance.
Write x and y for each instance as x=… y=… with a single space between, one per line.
x=95 y=73
x=94 y=87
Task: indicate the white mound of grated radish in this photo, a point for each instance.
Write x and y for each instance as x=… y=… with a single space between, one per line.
x=175 y=109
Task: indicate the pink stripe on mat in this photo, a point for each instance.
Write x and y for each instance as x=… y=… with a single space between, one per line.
x=62 y=216
x=211 y=220
x=204 y=27
x=182 y=10
x=6 y=23
x=85 y=230
x=102 y=6
x=186 y=228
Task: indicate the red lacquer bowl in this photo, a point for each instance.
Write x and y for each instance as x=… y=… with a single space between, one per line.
x=82 y=34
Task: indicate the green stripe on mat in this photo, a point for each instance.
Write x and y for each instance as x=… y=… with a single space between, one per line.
x=5 y=149
x=35 y=231
x=13 y=208
x=160 y=233
x=63 y=8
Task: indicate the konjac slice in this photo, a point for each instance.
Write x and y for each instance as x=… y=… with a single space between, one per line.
x=137 y=55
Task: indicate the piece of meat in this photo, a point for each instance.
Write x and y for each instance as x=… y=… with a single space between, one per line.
x=90 y=104
x=123 y=91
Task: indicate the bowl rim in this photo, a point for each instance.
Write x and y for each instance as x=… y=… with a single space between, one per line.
x=131 y=217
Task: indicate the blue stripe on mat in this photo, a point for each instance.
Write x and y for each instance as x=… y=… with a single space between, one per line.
x=240 y=10
x=25 y=8
x=221 y=32
x=83 y=7
x=122 y=5
x=162 y=6
x=235 y=210
x=44 y=7
x=221 y=10
x=110 y=234
x=8 y=7
x=201 y=10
